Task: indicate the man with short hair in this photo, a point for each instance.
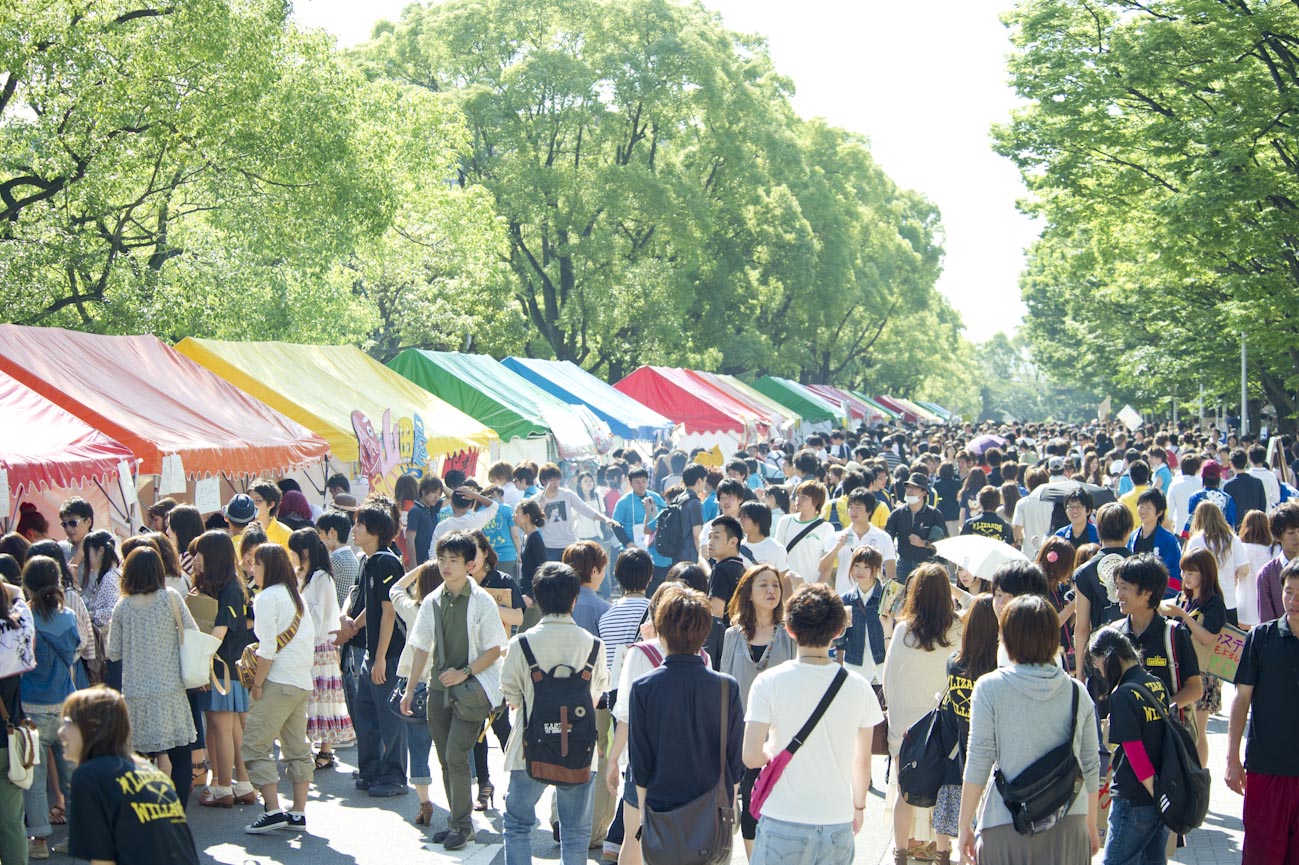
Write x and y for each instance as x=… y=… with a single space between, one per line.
x=422 y=518
x=1258 y=468
x=989 y=523
x=77 y=518
x=557 y=641
x=838 y=454
x=335 y=528
x=860 y=532
x=463 y=516
x=1139 y=473
x=337 y=483
x=1246 y=491
x=1186 y=484
x=631 y=514
x=915 y=526
x=1095 y=604
x=725 y=538
x=694 y=476
x=240 y=512
x=266 y=496
x=1283 y=523
x=1265 y=697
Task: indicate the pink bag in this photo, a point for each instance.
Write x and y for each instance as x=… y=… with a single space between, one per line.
x=771 y=772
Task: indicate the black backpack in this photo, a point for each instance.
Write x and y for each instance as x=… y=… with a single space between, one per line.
x=670 y=536
x=1181 y=783
x=559 y=726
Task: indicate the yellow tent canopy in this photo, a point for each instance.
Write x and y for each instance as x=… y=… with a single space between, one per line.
x=345 y=396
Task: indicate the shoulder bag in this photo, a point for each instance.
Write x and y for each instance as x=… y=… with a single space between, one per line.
x=467 y=701
x=927 y=749
x=700 y=831
x=771 y=772
x=246 y=666
x=24 y=749
x=807 y=530
x=197 y=650
x=1039 y=797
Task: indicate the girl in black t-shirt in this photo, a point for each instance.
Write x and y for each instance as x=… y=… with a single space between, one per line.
x=1203 y=612
x=123 y=809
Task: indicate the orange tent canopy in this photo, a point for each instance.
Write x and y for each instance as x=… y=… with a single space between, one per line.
x=156 y=402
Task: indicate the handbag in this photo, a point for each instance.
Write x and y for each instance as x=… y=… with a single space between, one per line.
x=926 y=751
x=24 y=749
x=698 y=832
x=247 y=663
x=880 y=735
x=418 y=702
x=771 y=772
x=196 y=653
x=1039 y=797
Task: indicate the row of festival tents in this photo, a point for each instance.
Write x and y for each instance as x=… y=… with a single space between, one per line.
x=120 y=417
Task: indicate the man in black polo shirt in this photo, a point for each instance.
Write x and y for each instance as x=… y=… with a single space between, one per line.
x=724 y=541
x=1267 y=695
x=1096 y=604
x=695 y=477
x=915 y=526
x=1166 y=650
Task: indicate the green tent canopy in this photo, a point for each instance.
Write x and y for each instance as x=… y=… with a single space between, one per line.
x=797 y=398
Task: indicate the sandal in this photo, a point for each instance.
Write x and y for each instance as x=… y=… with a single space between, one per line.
x=199 y=773
x=425 y=815
x=324 y=759
x=58 y=816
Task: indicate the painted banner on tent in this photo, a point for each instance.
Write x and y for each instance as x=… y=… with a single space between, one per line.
x=394 y=449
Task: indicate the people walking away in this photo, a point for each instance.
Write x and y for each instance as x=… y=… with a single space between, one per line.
x=1261 y=548
x=1246 y=490
x=281 y=691
x=915 y=672
x=756 y=641
x=818 y=803
x=1063 y=734
x=532 y=682
x=458 y=631
x=122 y=809
x=1265 y=697
x=1210 y=477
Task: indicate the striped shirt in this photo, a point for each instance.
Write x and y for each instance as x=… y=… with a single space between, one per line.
x=620 y=625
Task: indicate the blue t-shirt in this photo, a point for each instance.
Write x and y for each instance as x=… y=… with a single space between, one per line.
x=711 y=508
x=499 y=533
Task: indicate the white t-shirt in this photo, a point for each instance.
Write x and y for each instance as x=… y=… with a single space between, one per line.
x=1247 y=589
x=1271 y=486
x=875 y=536
x=1033 y=516
x=805 y=558
x=816 y=787
x=1231 y=559
x=769 y=552
x=273 y=612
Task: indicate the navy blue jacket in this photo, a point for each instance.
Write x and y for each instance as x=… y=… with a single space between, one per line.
x=865 y=623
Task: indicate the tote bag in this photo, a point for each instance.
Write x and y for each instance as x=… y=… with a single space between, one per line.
x=196 y=652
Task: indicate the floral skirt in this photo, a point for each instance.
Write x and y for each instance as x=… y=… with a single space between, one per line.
x=327 y=719
x=1211 y=702
x=947 y=811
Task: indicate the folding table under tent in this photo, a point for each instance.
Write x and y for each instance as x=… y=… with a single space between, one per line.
x=819 y=414
x=375 y=421
x=706 y=417
x=627 y=418
x=781 y=422
x=48 y=454
x=171 y=413
x=530 y=422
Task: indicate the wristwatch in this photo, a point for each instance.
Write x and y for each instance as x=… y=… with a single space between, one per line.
x=468 y=671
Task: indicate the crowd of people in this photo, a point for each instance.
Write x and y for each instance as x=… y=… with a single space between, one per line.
x=657 y=638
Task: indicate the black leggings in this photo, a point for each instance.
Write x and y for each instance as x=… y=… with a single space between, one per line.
x=748 y=823
x=500 y=727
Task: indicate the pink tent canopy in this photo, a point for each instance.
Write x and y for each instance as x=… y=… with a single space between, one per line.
x=686 y=400
x=44 y=446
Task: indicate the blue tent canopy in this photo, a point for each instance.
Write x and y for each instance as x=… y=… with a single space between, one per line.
x=572 y=384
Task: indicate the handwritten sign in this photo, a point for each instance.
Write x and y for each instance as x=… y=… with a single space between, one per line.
x=1223 y=657
x=207 y=495
x=173 y=475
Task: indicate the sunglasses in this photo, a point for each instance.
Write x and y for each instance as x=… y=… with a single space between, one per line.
x=70 y=524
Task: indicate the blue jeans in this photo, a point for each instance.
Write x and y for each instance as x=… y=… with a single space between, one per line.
x=783 y=843
x=419 y=742
x=1136 y=835
x=35 y=799
x=380 y=735
x=574 y=804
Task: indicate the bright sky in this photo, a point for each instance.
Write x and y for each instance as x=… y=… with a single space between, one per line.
x=923 y=79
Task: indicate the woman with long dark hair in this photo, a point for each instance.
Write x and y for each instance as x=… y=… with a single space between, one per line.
x=1203 y=612
x=184 y=524
x=282 y=688
x=143 y=635
x=327 y=720
x=1261 y=548
x=1056 y=559
x=915 y=671
x=45 y=688
x=17 y=655
x=88 y=657
x=969 y=494
x=216 y=575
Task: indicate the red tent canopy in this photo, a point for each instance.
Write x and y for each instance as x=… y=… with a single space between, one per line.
x=907 y=414
x=41 y=445
x=685 y=399
x=856 y=407
x=156 y=402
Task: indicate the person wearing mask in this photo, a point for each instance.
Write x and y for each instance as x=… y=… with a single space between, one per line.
x=915 y=526
x=143 y=634
x=676 y=712
x=216 y=576
x=45 y=688
x=1265 y=698
x=281 y=691
x=380 y=735
x=756 y=641
x=557 y=641
x=1095 y=601
x=915 y=671
x=1202 y=612
x=1033 y=686
x=976 y=657
x=819 y=802
x=1151 y=536
x=1260 y=547
x=115 y=792
x=458 y=630
x=327 y=720
x=1135 y=832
